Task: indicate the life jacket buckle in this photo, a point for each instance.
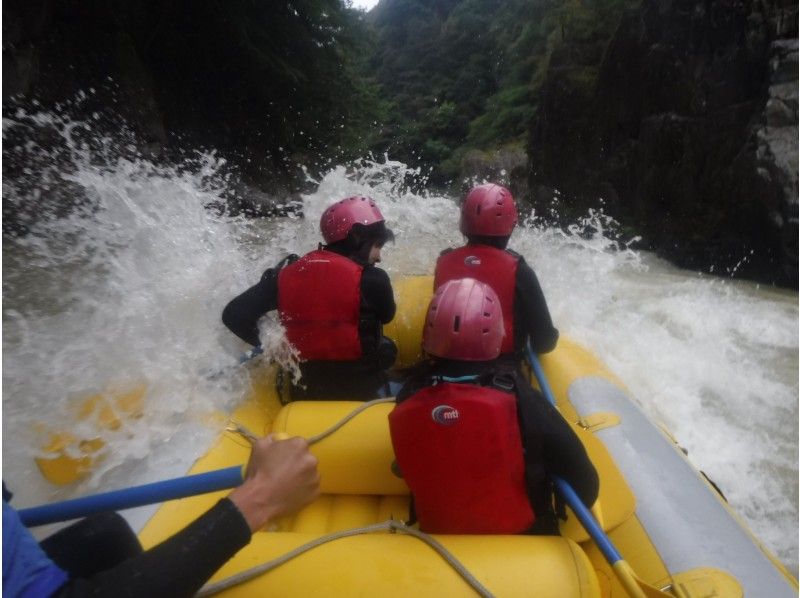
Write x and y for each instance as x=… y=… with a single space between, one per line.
x=503 y=382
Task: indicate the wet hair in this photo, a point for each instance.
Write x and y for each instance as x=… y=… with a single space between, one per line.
x=376 y=233
x=496 y=242
x=361 y=239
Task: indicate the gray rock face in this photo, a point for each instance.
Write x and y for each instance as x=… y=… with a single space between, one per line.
x=506 y=166
x=776 y=153
x=687 y=133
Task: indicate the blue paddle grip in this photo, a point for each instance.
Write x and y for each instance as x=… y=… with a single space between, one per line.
x=137 y=496
x=583 y=514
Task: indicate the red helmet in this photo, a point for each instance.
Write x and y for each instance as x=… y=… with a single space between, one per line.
x=489 y=210
x=338 y=219
x=464 y=321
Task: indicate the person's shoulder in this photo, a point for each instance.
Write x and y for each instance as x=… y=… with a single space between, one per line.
x=523 y=267
x=275 y=270
x=375 y=278
x=446 y=250
x=375 y=274
x=289 y=259
x=515 y=254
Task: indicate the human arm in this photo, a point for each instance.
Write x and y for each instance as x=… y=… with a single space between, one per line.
x=532 y=316
x=377 y=294
x=242 y=313
x=562 y=452
x=281 y=478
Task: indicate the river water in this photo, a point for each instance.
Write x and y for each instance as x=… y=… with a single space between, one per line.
x=130 y=290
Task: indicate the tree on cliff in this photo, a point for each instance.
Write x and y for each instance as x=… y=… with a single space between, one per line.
x=260 y=78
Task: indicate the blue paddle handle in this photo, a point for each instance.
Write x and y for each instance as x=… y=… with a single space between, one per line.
x=251 y=354
x=588 y=521
x=583 y=514
x=243 y=358
x=538 y=371
x=137 y=496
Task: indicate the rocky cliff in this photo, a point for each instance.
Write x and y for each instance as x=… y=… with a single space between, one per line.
x=685 y=130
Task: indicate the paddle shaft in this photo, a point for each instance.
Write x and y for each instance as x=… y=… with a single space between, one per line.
x=243 y=358
x=583 y=514
x=137 y=496
x=252 y=353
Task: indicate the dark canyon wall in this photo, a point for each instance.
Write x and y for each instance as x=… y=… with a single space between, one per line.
x=269 y=85
x=685 y=130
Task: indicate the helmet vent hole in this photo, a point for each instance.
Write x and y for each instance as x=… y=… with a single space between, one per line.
x=456 y=323
x=478 y=209
x=486 y=314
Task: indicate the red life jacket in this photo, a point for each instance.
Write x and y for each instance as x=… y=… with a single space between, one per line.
x=460 y=452
x=319 y=303
x=495 y=267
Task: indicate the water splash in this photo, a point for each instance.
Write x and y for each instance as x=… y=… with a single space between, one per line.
x=129 y=285
x=277 y=348
x=119 y=288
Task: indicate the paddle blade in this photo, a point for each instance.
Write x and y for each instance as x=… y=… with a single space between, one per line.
x=63 y=469
x=66 y=458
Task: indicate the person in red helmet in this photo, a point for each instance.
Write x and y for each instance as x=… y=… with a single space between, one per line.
x=476 y=444
x=333 y=303
x=488 y=217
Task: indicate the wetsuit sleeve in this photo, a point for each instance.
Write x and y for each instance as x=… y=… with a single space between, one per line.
x=532 y=317
x=562 y=451
x=377 y=293
x=177 y=567
x=242 y=314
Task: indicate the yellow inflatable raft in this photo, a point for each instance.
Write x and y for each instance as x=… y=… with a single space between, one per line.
x=672 y=528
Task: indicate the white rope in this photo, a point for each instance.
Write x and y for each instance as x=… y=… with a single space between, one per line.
x=238 y=428
x=322 y=435
x=390 y=525
x=241 y=430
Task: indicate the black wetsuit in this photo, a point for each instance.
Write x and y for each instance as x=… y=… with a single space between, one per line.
x=333 y=379
x=103 y=558
x=531 y=315
x=552 y=448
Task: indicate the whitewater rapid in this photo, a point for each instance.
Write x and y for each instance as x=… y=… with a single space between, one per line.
x=130 y=290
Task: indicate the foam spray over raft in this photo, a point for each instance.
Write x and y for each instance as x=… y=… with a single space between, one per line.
x=126 y=288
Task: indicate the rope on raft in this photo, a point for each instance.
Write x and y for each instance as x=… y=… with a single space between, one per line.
x=389 y=525
x=243 y=431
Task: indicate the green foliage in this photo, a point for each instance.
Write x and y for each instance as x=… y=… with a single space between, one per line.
x=314 y=81
x=425 y=80
x=466 y=74
x=507 y=116
x=285 y=79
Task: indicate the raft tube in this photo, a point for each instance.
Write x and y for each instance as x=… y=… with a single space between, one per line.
x=667 y=521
